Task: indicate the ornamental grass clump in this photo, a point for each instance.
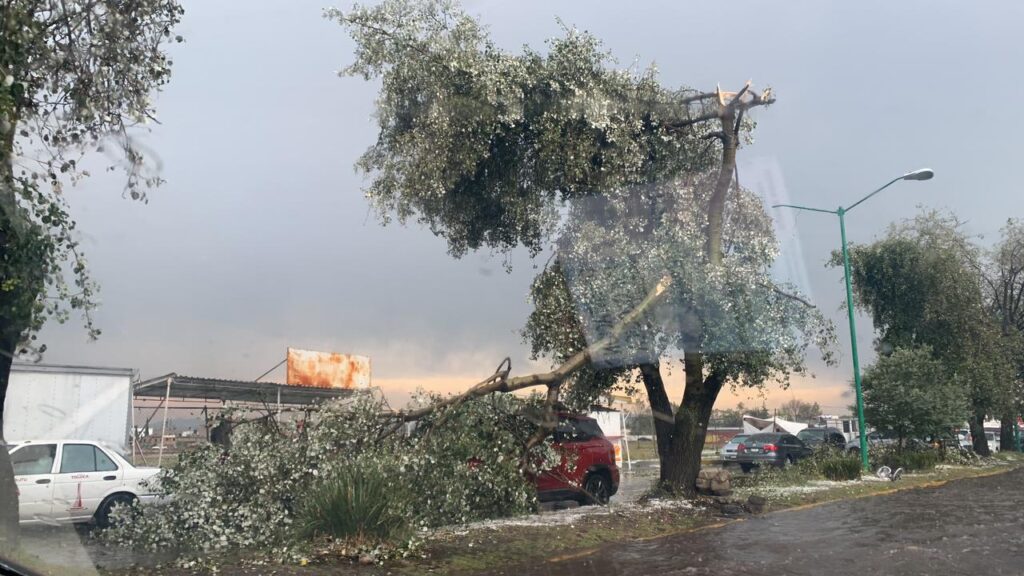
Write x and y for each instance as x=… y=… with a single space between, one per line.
x=907 y=458
x=840 y=467
x=831 y=464
x=357 y=504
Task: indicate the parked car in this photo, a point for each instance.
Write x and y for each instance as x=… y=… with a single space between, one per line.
x=75 y=481
x=815 y=437
x=874 y=439
x=963 y=438
x=728 y=452
x=587 y=472
x=772 y=448
x=993 y=441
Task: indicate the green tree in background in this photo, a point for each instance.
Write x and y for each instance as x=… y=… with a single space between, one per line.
x=760 y=412
x=1004 y=288
x=797 y=410
x=727 y=418
x=922 y=285
x=910 y=394
x=75 y=77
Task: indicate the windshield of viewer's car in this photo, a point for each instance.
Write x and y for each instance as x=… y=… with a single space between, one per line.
x=466 y=286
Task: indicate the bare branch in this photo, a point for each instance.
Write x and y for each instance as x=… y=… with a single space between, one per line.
x=679 y=124
x=793 y=297
x=500 y=382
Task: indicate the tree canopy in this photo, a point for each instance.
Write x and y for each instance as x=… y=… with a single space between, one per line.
x=482 y=145
x=922 y=284
x=628 y=183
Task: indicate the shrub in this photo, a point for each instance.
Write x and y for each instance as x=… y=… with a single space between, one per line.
x=907 y=458
x=840 y=467
x=355 y=503
x=960 y=456
x=832 y=464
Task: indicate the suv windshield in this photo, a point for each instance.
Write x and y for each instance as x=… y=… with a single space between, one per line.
x=321 y=285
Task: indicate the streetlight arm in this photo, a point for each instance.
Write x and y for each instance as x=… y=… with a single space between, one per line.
x=858 y=202
x=804 y=208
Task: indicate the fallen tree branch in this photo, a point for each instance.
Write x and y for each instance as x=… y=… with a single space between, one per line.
x=793 y=297
x=500 y=382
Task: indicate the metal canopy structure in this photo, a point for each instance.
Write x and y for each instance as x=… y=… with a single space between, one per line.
x=176 y=386
x=270 y=395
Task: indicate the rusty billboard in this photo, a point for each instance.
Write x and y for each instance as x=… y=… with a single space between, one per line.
x=327 y=369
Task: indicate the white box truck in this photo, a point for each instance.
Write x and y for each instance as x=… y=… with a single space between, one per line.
x=46 y=402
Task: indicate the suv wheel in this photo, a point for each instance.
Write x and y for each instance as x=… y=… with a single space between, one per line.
x=598 y=488
x=746 y=467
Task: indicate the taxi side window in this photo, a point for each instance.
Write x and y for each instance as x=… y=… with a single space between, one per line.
x=84 y=458
x=103 y=462
x=35 y=459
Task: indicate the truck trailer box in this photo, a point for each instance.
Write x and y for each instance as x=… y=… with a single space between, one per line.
x=47 y=401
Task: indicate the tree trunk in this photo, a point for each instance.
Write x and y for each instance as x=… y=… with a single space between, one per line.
x=980 y=443
x=1006 y=426
x=9 y=510
x=661 y=408
x=716 y=204
x=690 y=427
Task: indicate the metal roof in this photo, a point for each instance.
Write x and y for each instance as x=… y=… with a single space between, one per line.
x=236 y=390
x=69 y=369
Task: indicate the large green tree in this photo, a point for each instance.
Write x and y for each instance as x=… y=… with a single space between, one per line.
x=1003 y=276
x=75 y=77
x=922 y=286
x=909 y=393
x=655 y=252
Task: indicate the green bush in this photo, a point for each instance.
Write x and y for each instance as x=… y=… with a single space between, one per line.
x=909 y=459
x=960 y=457
x=840 y=467
x=831 y=464
x=355 y=503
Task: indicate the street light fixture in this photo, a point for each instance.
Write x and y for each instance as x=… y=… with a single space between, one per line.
x=921 y=174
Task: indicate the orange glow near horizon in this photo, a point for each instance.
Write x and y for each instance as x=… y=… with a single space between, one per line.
x=832 y=396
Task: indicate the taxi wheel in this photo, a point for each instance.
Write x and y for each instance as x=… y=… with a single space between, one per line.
x=103 y=519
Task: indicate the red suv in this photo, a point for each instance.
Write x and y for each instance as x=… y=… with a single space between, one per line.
x=587 y=471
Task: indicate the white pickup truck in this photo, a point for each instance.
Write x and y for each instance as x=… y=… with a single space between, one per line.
x=61 y=481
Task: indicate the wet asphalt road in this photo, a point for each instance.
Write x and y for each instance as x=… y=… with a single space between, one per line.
x=971 y=527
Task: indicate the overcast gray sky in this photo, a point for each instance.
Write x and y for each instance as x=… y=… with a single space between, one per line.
x=261 y=238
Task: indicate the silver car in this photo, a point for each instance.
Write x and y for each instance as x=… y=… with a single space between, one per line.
x=728 y=452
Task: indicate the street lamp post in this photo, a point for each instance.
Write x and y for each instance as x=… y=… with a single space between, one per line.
x=922 y=174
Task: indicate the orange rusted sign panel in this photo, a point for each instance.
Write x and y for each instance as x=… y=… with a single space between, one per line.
x=327 y=369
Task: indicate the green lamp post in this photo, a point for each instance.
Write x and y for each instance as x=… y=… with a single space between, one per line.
x=922 y=174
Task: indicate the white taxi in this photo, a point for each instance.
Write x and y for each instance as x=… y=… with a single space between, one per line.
x=62 y=481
